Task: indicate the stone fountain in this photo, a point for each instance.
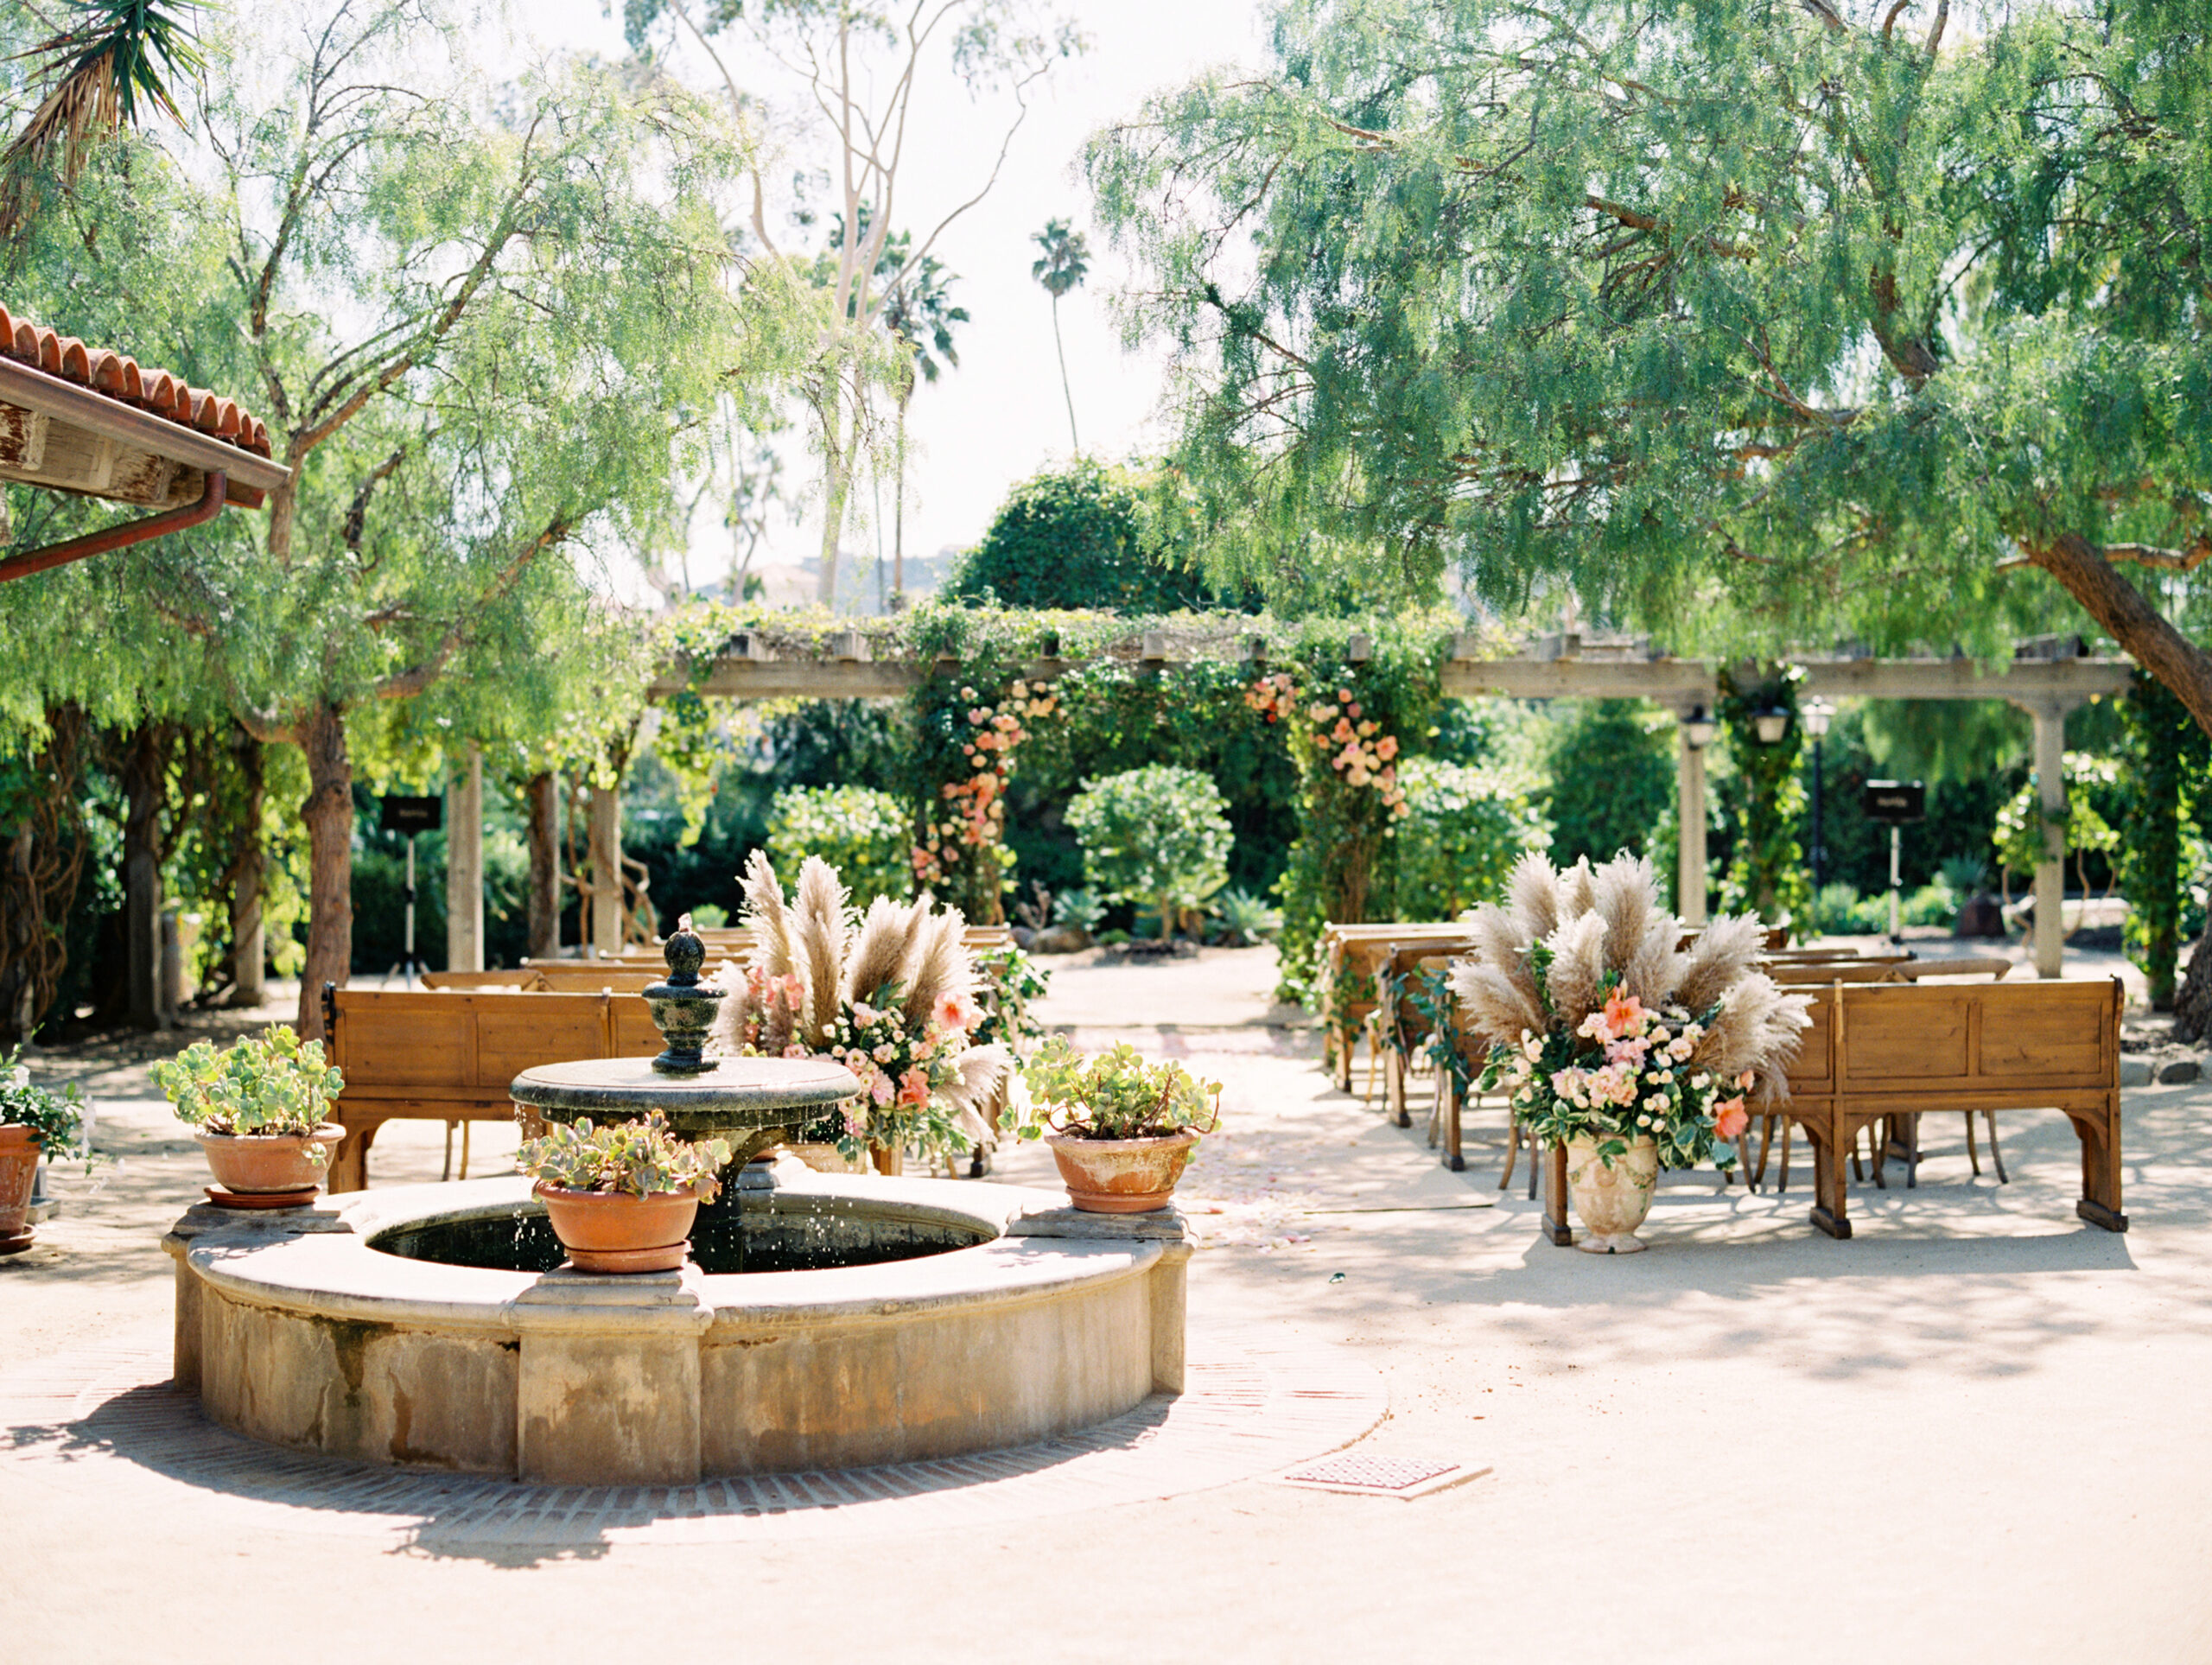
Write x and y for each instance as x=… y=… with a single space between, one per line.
x=876 y=1320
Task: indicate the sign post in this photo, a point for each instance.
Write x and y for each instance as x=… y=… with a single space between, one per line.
x=411 y=816
x=1895 y=802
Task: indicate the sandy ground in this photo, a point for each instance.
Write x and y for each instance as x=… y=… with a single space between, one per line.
x=1975 y=1431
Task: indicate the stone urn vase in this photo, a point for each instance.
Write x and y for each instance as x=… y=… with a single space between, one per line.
x=620 y=1231
x=1122 y=1176
x=19 y=1154
x=271 y=1164
x=1611 y=1202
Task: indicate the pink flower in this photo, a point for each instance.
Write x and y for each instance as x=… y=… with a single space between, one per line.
x=1624 y=1013
x=956 y=1011
x=1387 y=747
x=880 y=1089
x=1729 y=1118
x=915 y=1087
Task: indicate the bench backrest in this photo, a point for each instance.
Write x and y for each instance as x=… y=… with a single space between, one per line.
x=399 y=1045
x=1903 y=1039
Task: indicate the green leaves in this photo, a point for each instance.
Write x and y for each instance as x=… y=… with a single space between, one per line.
x=1157 y=836
x=56 y=1119
x=866 y=835
x=1116 y=1094
x=637 y=1159
x=269 y=1084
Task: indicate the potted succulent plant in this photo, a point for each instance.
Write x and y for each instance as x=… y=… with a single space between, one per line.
x=622 y=1197
x=1121 y=1127
x=35 y=1125
x=260 y=1110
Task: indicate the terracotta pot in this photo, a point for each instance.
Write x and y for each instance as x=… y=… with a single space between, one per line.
x=1611 y=1202
x=1122 y=1176
x=890 y=1160
x=19 y=1154
x=252 y=1162
x=613 y=1231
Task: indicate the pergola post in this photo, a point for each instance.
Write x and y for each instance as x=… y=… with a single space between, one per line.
x=604 y=933
x=465 y=865
x=1689 y=781
x=2050 y=718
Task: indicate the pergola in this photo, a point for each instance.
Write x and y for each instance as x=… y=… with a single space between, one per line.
x=2047 y=678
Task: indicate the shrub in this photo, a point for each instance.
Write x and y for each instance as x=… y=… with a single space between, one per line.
x=1612 y=781
x=1463 y=831
x=1242 y=919
x=1080 y=536
x=864 y=834
x=1155 y=837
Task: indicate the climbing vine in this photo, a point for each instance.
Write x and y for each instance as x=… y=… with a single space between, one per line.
x=1766 y=872
x=2168 y=752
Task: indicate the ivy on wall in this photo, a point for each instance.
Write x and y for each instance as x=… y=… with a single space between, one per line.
x=2169 y=756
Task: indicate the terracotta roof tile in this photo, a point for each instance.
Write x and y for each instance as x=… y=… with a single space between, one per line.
x=121 y=377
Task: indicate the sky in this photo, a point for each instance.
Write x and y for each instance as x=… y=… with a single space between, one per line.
x=1000 y=417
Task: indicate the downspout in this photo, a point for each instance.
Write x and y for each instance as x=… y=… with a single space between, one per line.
x=122 y=537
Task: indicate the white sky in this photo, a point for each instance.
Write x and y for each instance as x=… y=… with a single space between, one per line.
x=1000 y=417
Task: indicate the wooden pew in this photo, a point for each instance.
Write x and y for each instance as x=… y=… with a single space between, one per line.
x=1346 y=991
x=1878 y=1050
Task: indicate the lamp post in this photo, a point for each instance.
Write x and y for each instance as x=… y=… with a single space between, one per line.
x=1816 y=714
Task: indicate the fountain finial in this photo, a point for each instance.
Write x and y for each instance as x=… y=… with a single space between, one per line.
x=683 y=1007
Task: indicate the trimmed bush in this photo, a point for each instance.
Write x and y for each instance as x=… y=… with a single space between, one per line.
x=1156 y=837
x=864 y=834
x=1463 y=831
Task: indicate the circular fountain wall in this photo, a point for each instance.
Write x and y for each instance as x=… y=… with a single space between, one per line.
x=883 y=1320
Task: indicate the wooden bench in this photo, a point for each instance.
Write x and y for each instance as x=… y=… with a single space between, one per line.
x=1346 y=991
x=1885 y=1050
x=450 y=1055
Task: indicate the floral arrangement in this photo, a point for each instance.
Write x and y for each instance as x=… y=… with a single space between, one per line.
x=975 y=809
x=56 y=1119
x=633 y=1159
x=1354 y=745
x=1116 y=1094
x=271 y=1084
x=890 y=994
x=1599 y=1026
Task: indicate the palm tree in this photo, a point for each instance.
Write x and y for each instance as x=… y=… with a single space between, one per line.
x=918 y=311
x=1065 y=263
x=111 y=54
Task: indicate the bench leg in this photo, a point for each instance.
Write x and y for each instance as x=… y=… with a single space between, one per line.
x=1995 y=1155
x=1557 y=1226
x=349 y=1168
x=1831 y=1198
x=1454 y=1103
x=2099 y=1136
x=1340 y=1059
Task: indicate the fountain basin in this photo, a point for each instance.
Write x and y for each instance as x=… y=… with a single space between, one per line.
x=296 y=1329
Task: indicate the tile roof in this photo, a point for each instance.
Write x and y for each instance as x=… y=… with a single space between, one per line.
x=121 y=378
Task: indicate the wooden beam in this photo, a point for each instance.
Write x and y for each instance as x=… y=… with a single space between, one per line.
x=1676 y=682
x=133 y=428
x=2076 y=681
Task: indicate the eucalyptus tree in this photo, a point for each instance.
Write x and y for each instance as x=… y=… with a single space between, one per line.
x=858 y=68
x=1063 y=266
x=481 y=322
x=1782 y=319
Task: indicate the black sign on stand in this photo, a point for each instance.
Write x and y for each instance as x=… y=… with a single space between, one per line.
x=411 y=815
x=1894 y=802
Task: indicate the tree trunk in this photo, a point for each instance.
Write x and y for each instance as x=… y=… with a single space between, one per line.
x=329 y=812
x=249 y=951
x=1067 y=391
x=836 y=481
x=145 y=768
x=2193 y=1004
x=2139 y=628
x=544 y=797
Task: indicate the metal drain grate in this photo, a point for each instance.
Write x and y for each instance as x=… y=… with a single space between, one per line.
x=1394 y=1477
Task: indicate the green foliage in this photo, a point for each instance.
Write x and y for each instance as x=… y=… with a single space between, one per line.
x=1767 y=873
x=2167 y=760
x=1116 y=1094
x=1083 y=534
x=1841 y=910
x=1008 y=982
x=1156 y=837
x=1463 y=831
x=632 y=1159
x=1241 y=918
x=56 y=1119
x=1611 y=779
x=1761 y=322
x=2020 y=834
x=1079 y=908
x=270 y=1084
x=863 y=833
